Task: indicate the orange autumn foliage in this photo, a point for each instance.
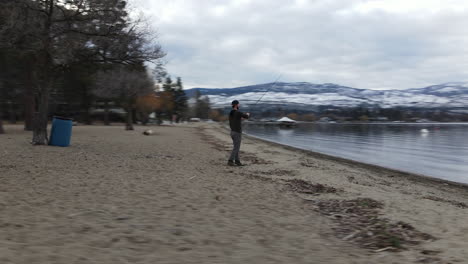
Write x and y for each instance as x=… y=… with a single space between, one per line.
x=149 y=103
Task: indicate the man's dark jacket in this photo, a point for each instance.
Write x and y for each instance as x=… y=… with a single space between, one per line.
x=235 y=117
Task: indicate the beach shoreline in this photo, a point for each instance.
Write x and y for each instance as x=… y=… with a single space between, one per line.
x=419 y=188
x=415 y=176
x=117 y=196
x=433 y=151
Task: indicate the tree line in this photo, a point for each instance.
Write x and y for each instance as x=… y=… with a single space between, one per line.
x=68 y=56
x=361 y=113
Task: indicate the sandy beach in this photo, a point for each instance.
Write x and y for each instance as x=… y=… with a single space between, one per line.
x=118 y=196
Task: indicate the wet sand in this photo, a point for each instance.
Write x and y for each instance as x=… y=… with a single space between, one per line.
x=118 y=196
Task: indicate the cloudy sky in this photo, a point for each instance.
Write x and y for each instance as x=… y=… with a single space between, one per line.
x=375 y=44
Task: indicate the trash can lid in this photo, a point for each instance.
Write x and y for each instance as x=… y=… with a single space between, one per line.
x=62 y=118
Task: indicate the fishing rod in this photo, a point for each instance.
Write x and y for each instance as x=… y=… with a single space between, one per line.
x=279 y=76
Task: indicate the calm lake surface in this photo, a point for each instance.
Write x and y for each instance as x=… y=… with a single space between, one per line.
x=442 y=152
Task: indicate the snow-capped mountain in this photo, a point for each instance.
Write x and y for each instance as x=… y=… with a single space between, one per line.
x=303 y=94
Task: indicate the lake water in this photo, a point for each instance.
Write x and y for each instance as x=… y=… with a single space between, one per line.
x=442 y=152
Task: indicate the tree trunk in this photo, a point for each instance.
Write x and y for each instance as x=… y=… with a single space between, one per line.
x=87 y=116
x=87 y=104
x=134 y=116
x=158 y=117
x=11 y=110
x=40 y=119
x=46 y=61
x=144 y=118
x=129 y=125
x=29 y=102
x=2 y=131
x=29 y=106
x=106 y=113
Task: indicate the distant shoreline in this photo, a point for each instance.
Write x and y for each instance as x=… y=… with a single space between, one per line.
x=364 y=123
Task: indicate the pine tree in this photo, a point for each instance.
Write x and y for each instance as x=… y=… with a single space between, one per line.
x=167 y=86
x=167 y=96
x=180 y=99
x=202 y=106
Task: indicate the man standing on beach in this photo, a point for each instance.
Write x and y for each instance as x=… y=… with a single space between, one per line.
x=235 y=122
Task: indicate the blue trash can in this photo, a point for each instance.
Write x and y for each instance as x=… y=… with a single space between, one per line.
x=60 y=134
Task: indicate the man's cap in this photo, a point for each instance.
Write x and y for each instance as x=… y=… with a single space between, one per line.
x=235 y=102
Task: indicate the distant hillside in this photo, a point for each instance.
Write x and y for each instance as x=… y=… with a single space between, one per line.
x=306 y=95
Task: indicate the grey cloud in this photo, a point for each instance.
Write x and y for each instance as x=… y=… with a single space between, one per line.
x=233 y=43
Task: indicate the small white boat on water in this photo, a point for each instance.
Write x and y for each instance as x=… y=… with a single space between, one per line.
x=286 y=122
x=424 y=131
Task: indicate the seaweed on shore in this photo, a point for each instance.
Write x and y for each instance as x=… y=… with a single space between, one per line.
x=258 y=177
x=309 y=164
x=302 y=186
x=252 y=159
x=278 y=172
x=358 y=221
x=452 y=202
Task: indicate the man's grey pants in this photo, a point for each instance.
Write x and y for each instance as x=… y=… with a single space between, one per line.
x=236 y=141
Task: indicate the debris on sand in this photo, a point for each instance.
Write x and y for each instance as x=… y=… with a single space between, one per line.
x=358 y=221
x=452 y=202
x=309 y=164
x=258 y=177
x=254 y=160
x=279 y=172
x=302 y=186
